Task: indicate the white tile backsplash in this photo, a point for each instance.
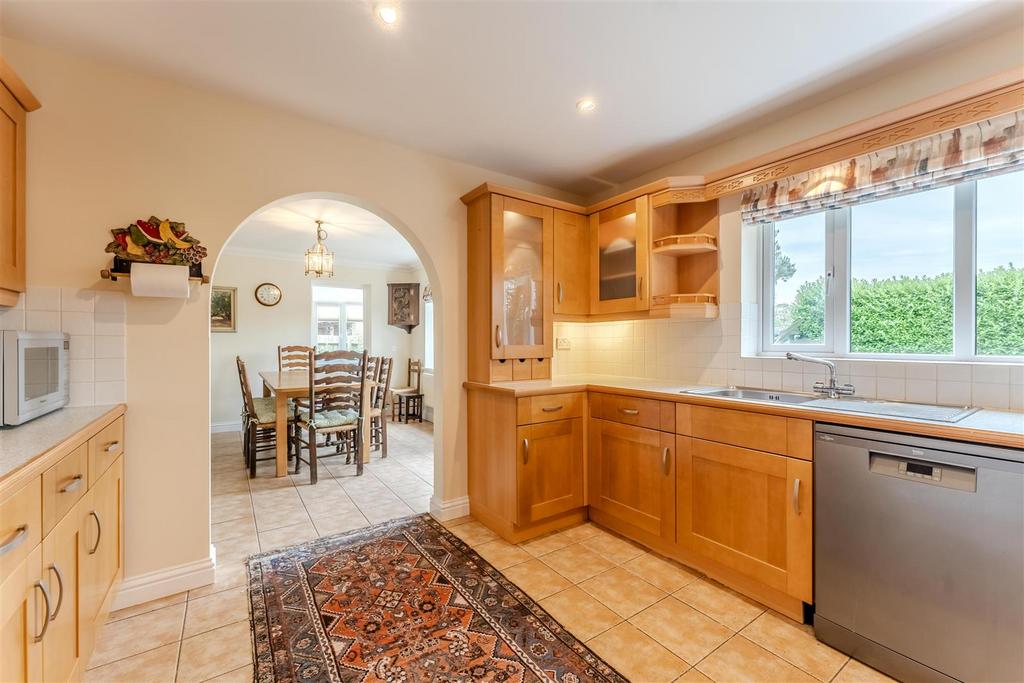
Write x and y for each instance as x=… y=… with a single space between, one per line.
x=109 y=392
x=77 y=323
x=109 y=369
x=12 y=319
x=108 y=346
x=42 y=299
x=42 y=321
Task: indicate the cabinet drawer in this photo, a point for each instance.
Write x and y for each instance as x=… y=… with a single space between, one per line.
x=21 y=525
x=549 y=407
x=63 y=484
x=640 y=412
x=770 y=433
x=104 y=448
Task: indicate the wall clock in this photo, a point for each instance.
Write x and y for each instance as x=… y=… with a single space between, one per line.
x=268 y=294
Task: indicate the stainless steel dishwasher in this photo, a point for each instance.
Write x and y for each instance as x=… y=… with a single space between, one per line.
x=919 y=554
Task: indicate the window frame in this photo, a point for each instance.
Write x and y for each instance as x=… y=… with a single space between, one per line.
x=838 y=233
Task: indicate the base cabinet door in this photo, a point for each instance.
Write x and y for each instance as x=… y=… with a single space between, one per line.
x=22 y=620
x=747 y=510
x=99 y=548
x=549 y=470
x=60 y=573
x=632 y=476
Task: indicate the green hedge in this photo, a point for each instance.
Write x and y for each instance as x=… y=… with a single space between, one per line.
x=915 y=314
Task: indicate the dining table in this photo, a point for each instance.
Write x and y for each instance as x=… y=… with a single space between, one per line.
x=289 y=384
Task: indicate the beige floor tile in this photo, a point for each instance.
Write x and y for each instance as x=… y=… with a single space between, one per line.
x=741 y=660
x=856 y=672
x=796 y=644
x=155 y=666
x=624 y=592
x=456 y=522
x=663 y=573
x=214 y=653
x=232 y=550
x=584 y=616
x=536 y=579
x=687 y=633
x=693 y=676
x=576 y=562
x=223 y=511
x=330 y=525
x=542 y=545
x=502 y=554
x=226 y=575
x=636 y=655
x=213 y=611
x=581 y=532
x=474 y=533
x=134 y=635
x=149 y=606
x=720 y=603
x=287 y=536
x=232 y=528
x=613 y=548
x=242 y=675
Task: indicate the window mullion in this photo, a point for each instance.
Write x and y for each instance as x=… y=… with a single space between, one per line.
x=767 y=302
x=840 y=267
x=964 y=268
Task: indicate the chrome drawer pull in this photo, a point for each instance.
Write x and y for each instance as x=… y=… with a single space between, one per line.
x=629 y=411
x=16 y=539
x=99 y=532
x=796 y=496
x=72 y=485
x=551 y=409
x=60 y=586
x=112 y=446
x=46 y=619
x=664 y=459
x=526 y=451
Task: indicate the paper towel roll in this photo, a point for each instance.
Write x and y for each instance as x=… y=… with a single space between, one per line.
x=156 y=279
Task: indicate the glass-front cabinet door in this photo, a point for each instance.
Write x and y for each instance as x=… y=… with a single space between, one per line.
x=522 y=278
x=619 y=258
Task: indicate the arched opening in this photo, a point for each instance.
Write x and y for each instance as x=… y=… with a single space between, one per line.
x=372 y=248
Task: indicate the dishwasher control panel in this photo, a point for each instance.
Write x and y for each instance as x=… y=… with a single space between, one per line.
x=925 y=471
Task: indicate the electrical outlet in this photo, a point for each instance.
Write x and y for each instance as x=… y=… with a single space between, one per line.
x=563 y=344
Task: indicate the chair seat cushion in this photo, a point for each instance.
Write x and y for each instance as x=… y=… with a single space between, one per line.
x=405 y=391
x=265 y=410
x=329 y=418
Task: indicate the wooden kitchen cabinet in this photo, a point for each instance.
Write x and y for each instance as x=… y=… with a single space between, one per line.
x=747 y=510
x=15 y=102
x=632 y=478
x=619 y=257
x=22 y=618
x=61 y=552
x=100 y=549
x=549 y=470
x=571 y=263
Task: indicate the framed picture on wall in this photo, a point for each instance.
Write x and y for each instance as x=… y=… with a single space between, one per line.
x=223 y=310
x=404 y=305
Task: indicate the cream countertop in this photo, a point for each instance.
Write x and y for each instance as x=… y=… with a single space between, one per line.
x=22 y=444
x=985 y=426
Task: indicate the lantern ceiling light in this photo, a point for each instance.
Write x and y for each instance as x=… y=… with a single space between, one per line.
x=319 y=261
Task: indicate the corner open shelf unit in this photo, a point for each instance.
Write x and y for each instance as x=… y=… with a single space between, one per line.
x=684 y=257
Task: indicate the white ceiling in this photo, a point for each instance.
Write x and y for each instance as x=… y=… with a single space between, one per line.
x=356 y=236
x=495 y=83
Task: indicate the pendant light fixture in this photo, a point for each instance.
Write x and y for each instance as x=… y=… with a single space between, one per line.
x=319 y=261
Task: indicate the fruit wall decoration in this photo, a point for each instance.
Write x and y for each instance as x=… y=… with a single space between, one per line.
x=155 y=241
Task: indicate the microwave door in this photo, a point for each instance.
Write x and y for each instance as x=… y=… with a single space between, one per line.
x=42 y=382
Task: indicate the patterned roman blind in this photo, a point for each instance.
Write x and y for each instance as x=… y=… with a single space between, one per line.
x=982 y=148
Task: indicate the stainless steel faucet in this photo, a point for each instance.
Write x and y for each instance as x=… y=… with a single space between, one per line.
x=832 y=389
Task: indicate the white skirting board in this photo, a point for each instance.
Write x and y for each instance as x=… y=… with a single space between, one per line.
x=163 y=582
x=444 y=510
x=225 y=427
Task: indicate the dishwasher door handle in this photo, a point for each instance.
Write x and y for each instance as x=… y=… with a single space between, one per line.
x=796 y=496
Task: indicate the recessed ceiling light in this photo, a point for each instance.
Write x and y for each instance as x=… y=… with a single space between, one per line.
x=387 y=13
x=586 y=105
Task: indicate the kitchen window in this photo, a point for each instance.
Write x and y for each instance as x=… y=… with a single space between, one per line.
x=428 y=336
x=936 y=274
x=338 y=319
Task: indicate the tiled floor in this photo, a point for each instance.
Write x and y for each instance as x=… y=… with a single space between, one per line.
x=652 y=619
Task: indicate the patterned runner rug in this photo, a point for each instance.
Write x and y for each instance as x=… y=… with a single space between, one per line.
x=403 y=602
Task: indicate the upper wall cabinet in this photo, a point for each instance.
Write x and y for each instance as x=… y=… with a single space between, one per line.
x=572 y=263
x=684 y=255
x=619 y=245
x=15 y=101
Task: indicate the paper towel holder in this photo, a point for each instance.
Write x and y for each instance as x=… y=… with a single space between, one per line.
x=114 y=275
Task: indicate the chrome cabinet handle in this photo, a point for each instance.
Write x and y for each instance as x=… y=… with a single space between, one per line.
x=526 y=451
x=46 y=619
x=497 y=336
x=99 y=532
x=60 y=586
x=72 y=485
x=629 y=411
x=112 y=446
x=561 y=292
x=16 y=539
x=664 y=459
x=796 y=496
x=551 y=409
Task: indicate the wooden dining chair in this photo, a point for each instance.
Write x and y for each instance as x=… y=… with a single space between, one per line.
x=337 y=380
x=293 y=358
x=259 y=422
x=408 y=400
x=379 y=396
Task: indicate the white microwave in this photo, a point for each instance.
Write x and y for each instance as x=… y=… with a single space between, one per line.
x=35 y=374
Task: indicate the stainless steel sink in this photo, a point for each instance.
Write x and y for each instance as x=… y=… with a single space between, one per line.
x=755 y=395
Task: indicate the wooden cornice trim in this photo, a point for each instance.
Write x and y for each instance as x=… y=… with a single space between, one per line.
x=491 y=188
x=18 y=89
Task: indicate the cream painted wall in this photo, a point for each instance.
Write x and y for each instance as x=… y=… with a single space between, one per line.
x=416 y=350
x=261 y=329
x=110 y=145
